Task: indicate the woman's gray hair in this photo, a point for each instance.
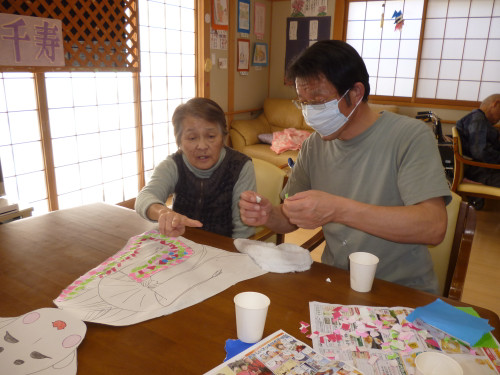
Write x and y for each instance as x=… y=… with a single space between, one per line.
x=203 y=108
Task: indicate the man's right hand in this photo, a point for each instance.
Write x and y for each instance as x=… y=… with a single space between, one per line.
x=253 y=213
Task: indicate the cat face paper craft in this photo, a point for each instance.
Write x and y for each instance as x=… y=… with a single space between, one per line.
x=41 y=342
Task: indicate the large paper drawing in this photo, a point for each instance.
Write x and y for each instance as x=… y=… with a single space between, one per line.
x=41 y=342
x=151 y=276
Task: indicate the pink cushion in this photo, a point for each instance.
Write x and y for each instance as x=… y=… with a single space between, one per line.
x=288 y=139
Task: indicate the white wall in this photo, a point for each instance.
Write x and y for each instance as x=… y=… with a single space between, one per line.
x=249 y=90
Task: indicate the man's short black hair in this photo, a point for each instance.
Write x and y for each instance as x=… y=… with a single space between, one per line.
x=339 y=62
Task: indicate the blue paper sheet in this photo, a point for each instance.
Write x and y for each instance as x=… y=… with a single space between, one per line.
x=234 y=347
x=453 y=321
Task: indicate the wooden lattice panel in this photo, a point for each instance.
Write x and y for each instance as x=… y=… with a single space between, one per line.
x=99 y=35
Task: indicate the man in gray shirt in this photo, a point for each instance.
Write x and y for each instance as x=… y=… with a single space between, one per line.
x=373 y=181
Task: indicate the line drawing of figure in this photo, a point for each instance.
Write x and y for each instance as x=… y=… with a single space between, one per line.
x=117 y=294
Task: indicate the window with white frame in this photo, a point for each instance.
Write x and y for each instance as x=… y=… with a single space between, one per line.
x=461 y=50
x=93 y=121
x=20 y=141
x=457 y=58
x=168 y=72
x=92 y=125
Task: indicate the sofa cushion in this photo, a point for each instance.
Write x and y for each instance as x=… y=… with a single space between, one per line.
x=246 y=132
x=266 y=138
x=282 y=114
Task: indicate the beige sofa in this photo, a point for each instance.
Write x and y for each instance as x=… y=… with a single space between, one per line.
x=278 y=114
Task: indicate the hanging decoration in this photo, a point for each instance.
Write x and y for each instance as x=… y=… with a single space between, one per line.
x=399 y=21
x=382 y=16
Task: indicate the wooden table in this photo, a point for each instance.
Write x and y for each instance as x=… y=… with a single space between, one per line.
x=39 y=256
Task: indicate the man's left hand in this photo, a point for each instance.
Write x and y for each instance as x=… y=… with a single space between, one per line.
x=309 y=209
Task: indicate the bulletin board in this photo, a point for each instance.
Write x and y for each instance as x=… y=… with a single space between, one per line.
x=301 y=32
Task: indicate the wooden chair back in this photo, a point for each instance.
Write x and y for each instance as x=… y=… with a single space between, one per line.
x=469 y=188
x=454 y=247
x=270 y=181
x=460 y=251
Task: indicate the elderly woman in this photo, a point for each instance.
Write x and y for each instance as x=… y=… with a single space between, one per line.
x=205 y=176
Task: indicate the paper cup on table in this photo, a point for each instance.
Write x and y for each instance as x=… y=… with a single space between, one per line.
x=251 y=311
x=362 y=268
x=433 y=363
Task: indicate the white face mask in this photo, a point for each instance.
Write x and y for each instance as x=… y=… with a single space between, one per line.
x=326 y=118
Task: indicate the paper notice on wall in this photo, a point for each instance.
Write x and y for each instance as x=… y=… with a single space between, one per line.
x=30 y=41
x=309 y=8
x=218 y=39
x=292 y=34
x=313 y=30
x=222 y=63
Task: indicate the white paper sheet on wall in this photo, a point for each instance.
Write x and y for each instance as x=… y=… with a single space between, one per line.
x=293 y=30
x=313 y=30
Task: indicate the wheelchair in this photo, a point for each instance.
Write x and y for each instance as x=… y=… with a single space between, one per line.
x=445 y=144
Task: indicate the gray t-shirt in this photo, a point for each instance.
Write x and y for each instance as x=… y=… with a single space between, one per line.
x=165 y=177
x=395 y=162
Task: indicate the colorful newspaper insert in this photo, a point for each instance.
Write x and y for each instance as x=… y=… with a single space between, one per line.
x=380 y=340
x=280 y=354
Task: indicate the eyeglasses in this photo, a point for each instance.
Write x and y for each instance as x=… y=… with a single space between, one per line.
x=300 y=104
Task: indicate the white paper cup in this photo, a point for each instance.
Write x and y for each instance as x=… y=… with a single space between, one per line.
x=433 y=363
x=362 y=268
x=251 y=311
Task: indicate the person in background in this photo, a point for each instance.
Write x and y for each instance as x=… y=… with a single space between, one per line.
x=205 y=177
x=481 y=140
x=373 y=181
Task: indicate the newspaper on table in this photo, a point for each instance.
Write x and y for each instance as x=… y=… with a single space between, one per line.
x=281 y=353
x=379 y=340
